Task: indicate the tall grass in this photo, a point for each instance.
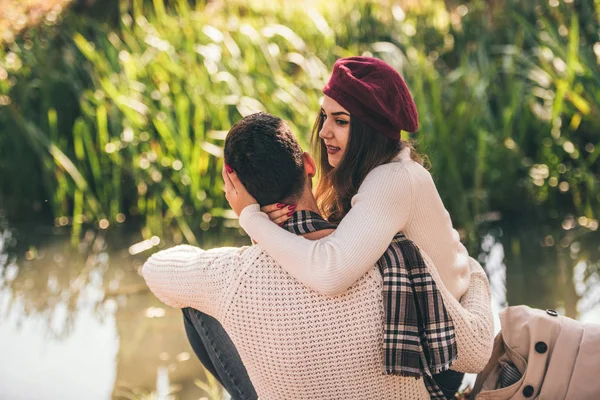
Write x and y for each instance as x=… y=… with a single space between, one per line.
x=511 y=98
x=148 y=137
x=127 y=122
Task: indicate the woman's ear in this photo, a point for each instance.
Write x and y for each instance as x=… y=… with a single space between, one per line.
x=309 y=165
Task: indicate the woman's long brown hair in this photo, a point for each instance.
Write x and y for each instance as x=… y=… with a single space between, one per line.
x=366 y=150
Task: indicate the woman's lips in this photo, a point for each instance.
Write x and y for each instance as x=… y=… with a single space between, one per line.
x=332 y=149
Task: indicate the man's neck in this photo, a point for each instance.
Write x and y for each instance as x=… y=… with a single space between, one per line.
x=307 y=203
x=302 y=220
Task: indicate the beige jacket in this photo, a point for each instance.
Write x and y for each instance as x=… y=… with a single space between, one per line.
x=557 y=357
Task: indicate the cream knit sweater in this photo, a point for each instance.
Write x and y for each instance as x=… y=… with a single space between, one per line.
x=399 y=196
x=299 y=344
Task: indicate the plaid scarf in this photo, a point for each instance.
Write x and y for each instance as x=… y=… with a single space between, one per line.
x=419 y=337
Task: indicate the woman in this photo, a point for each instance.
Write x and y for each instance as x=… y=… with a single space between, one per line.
x=372 y=183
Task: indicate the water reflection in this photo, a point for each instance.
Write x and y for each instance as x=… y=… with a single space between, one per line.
x=80 y=322
x=35 y=366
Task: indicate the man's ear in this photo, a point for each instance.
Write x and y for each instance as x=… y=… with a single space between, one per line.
x=309 y=165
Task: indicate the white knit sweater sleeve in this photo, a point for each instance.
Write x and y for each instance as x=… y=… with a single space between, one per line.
x=380 y=209
x=187 y=276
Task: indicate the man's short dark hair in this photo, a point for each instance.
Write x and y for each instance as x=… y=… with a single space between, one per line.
x=267 y=158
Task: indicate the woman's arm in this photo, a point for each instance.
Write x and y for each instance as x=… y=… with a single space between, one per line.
x=380 y=209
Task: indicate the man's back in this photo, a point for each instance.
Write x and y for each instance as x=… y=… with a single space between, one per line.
x=299 y=344
x=294 y=342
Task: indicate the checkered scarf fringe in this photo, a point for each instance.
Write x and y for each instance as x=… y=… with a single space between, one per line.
x=419 y=338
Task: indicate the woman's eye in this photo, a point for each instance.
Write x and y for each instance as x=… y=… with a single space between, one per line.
x=341 y=122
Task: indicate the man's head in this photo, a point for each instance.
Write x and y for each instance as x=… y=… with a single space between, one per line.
x=268 y=159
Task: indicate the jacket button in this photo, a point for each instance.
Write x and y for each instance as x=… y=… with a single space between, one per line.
x=552 y=312
x=541 y=347
x=528 y=391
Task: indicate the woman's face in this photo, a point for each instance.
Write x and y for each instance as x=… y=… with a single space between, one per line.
x=335 y=131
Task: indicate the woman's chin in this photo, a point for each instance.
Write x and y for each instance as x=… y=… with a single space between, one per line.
x=333 y=161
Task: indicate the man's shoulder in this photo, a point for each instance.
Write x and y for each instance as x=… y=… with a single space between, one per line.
x=239 y=256
x=257 y=253
x=215 y=254
x=228 y=254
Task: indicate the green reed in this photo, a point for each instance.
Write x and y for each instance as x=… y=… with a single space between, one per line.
x=127 y=122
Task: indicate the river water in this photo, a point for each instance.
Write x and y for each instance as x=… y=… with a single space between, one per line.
x=77 y=322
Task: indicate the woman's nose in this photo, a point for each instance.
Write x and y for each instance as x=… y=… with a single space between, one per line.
x=325 y=132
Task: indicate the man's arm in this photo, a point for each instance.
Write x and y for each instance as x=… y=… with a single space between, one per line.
x=187 y=276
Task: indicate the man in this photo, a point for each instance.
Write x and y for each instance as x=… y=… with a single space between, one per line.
x=294 y=342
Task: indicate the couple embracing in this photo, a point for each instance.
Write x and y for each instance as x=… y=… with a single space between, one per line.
x=360 y=290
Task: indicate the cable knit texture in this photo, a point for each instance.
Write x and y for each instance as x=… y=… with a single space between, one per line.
x=299 y=344
x=399 y=196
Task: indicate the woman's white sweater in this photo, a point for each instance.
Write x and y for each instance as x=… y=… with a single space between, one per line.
x=399 y=196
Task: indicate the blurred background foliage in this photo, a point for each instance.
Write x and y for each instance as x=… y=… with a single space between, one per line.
x=114 y=113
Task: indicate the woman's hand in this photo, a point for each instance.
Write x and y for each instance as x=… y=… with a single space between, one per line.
x=279 y=213
x=235 y=192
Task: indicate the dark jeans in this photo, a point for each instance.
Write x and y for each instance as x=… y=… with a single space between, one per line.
x=217 y=352
x=449 y=381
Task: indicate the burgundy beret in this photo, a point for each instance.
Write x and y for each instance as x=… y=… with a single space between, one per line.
x=374 y=92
